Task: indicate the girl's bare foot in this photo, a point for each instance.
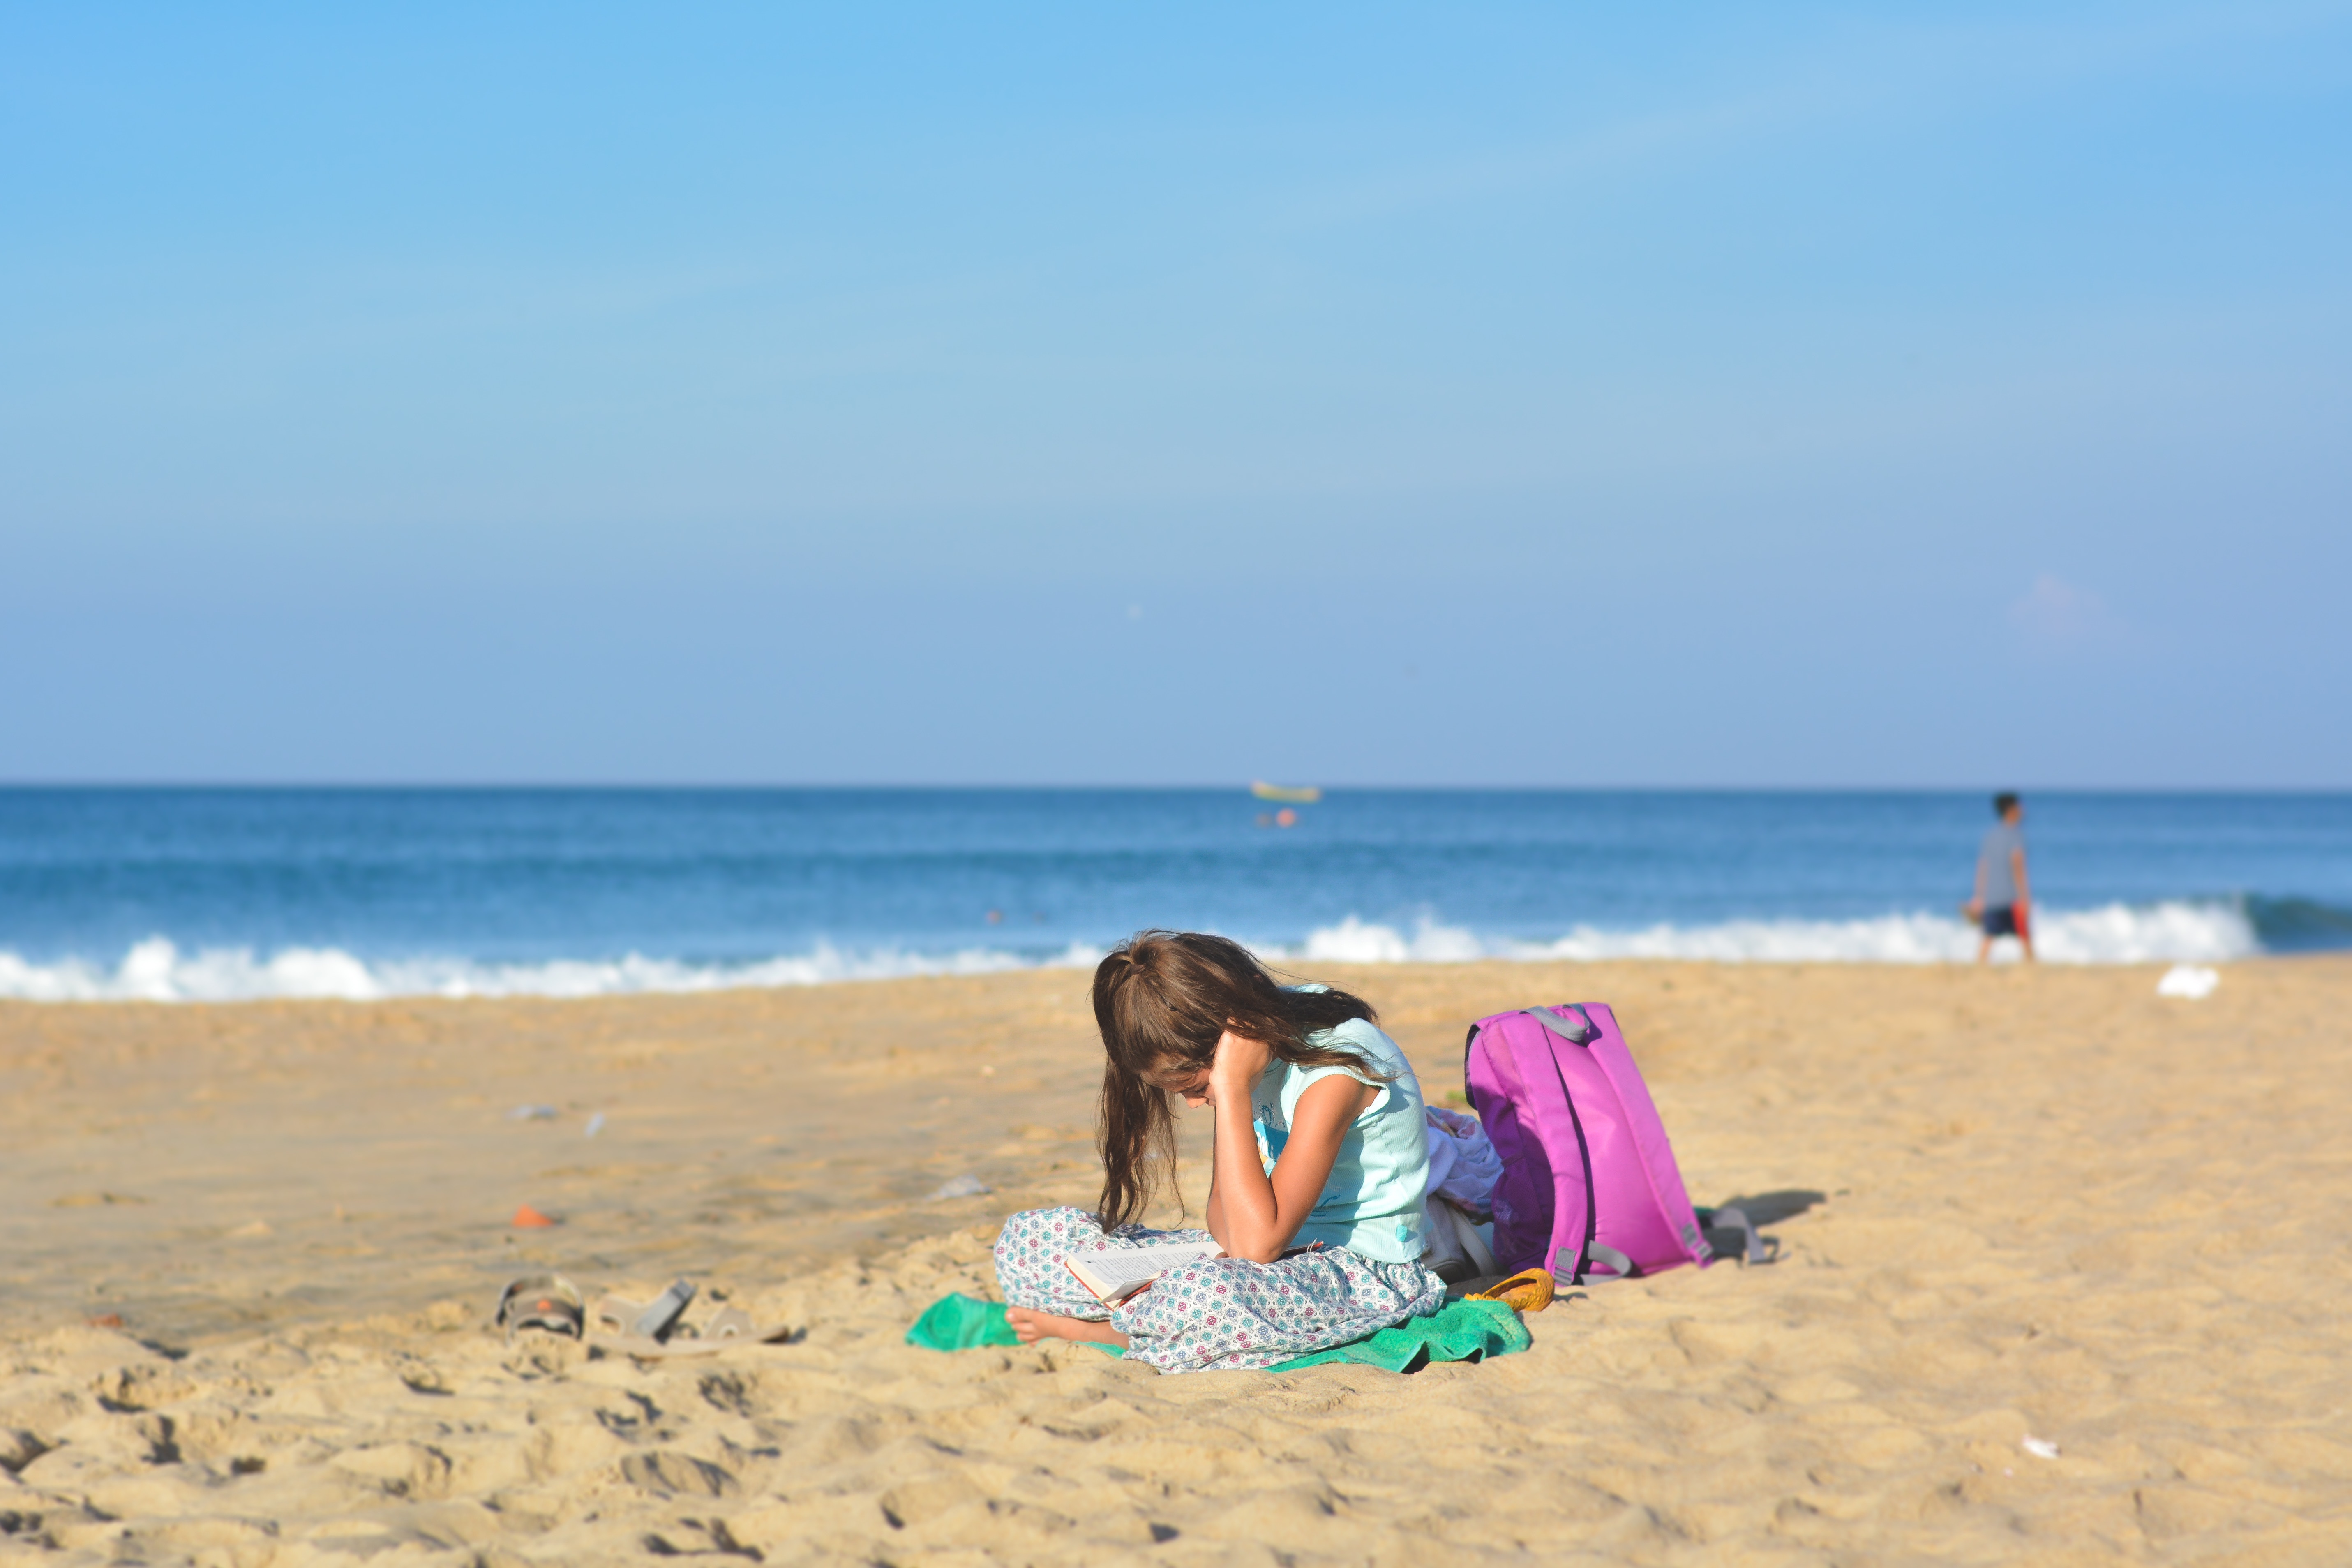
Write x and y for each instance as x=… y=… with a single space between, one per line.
x=1034 y=1326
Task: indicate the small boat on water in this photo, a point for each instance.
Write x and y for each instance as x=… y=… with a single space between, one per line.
x=1305 y=796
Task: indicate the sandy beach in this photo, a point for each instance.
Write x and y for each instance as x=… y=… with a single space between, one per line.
x=251 y=1251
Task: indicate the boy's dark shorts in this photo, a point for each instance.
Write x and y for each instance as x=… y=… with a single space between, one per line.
x=2000 y=919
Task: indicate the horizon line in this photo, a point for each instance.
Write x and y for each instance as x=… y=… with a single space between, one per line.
x=1192 y=787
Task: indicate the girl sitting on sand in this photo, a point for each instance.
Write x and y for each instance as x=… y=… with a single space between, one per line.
x=1315 y=1190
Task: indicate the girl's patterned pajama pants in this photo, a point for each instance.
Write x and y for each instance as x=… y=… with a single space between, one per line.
x=1220 y=1313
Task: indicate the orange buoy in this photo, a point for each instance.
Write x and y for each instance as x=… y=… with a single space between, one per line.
x=529 y=1218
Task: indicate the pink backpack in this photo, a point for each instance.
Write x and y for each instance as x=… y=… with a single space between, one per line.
x=1590 y=1188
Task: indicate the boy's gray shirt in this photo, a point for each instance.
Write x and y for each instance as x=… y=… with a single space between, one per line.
x=1993 y=859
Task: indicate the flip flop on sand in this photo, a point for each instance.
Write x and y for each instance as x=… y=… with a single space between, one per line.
x=1529 y=1290
x=616 y=1321
x=547 y=1302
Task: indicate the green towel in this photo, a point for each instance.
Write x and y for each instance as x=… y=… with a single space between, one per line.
x=962 y=1322
x=1460 y=1330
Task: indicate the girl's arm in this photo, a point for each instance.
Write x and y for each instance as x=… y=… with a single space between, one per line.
x=1252 y=1215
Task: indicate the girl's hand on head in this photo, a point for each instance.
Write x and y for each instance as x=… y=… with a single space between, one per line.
x=1240 y=1062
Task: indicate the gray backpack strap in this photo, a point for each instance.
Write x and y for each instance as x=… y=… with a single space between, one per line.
x=1576 y=1031
x=1616 y=1262
x=1620 y=1266
x=1754 y=1248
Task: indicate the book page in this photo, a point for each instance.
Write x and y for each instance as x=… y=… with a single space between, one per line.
x=1114 y=1273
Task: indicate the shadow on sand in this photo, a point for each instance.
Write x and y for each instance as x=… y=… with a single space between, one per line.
x=1771 y=1208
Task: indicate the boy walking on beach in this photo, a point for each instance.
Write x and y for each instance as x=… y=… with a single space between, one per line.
x=2004 y=905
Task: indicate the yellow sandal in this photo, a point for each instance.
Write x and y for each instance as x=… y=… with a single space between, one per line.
x=1529 y=1290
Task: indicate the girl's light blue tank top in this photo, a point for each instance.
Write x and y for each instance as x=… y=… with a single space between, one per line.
x=1371 y=1203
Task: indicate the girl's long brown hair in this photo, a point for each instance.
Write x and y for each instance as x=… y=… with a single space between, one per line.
x=1162 y=1000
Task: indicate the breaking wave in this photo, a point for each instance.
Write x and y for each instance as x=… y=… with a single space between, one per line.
x=157 y=970
x=2115 y=933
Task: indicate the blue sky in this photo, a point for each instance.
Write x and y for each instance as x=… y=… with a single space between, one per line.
x=1803 y=394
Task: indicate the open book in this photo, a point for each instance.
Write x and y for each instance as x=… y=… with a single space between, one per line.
x=1116 y=1273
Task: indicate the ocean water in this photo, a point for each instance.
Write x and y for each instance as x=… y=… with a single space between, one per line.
x=214 y=894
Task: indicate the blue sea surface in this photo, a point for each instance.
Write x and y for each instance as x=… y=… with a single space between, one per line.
x=195 y=893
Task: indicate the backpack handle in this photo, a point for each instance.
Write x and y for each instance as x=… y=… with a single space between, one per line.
x=1582 y=1032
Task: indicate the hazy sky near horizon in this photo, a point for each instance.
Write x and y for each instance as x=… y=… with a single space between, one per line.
x=1802 y=394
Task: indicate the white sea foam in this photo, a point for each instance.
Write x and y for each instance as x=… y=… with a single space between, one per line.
x=156 y=970
x=1357 y=941
x=2115 y=933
